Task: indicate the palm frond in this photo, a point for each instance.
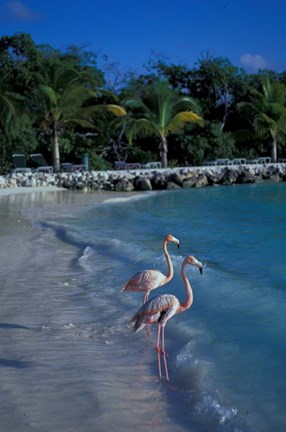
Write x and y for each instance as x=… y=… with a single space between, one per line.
x=84 y=123
x=49 y=93
x=186 y=102
x=134 y=103
x=178 y=121
x=141 y=127
x=117 y=110
x=7 y=105
x=75 y=96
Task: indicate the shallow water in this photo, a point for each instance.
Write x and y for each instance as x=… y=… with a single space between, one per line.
x=70 y=361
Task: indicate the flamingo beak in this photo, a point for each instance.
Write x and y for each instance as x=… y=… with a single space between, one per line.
x=201 y=270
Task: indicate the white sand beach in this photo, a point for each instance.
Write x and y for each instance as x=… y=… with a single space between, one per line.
x=58 y=370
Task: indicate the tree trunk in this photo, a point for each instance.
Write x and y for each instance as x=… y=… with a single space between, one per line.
x=274 y=149
x=225 y=99
x=56 y=150
x=164 y=152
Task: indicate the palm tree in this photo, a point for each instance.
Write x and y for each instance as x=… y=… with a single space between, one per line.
x=161 y=111
x=13 y=117
x=67 y=96
x=267 y=111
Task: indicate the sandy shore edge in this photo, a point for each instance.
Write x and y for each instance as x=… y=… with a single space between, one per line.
x=96 y=197
x=26 y=190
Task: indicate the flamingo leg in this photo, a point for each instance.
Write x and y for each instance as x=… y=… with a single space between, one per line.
x=146 y=296
x=158 y=350
x=164 y=352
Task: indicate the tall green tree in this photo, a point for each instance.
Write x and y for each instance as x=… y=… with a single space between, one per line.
x=69 y=100
x=213 y=83
x=266 y=110
x=18 y=60
x=13 y=119
x=160 y=111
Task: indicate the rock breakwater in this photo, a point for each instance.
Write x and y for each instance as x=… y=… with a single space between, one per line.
x=144 y=180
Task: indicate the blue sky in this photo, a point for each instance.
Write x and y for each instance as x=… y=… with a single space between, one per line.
x=251 y=34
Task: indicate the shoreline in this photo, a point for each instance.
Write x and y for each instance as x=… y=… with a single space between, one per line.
x=98 y=196
x=27 y=190
x=15 y=201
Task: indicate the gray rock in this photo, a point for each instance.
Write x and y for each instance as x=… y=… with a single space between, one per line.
x=176 y=178
x=142 y=183
x=229 y=177
x=189 y=182
x=159 y=181
x=107 y=186
x=172 y=185
x=275 y=177
x=258 y=178
x=215 y=177
x=124 y=185
x=202 y=181
x=246 y=177
x=3 y=183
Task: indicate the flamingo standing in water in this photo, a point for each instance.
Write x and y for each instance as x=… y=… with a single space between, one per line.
x=161 y=308
x=147 y=280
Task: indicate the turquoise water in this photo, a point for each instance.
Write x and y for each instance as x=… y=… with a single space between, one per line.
x=226 y=355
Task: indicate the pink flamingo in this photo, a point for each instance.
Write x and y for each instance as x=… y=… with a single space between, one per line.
x=161 y=308
x=147 y=280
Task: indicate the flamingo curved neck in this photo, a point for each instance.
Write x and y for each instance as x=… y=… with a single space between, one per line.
x=189 y=300
x=170 y=273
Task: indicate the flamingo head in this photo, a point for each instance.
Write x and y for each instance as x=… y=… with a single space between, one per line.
x=193 y=261
x=170 y=238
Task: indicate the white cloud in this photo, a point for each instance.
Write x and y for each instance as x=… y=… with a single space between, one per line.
x=18 y=11
x=254 y=62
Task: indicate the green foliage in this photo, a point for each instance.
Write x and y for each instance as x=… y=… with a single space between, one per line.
x=160 y=112
x=100 y=164
x=267 y=110
x=56 y=102
x=201 y=144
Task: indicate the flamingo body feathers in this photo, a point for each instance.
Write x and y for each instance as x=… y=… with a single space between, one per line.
x=145 y=280
x=158 y=309
x=150 y=279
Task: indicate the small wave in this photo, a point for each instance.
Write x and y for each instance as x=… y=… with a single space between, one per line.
x=208 y=406
x=192 y=372
x=119 y=200
x=93 y=248
x=195 y=374
x=107 y=250
x=87 y=253
x=65 y=233
x=90 y=245
x=177 y=260
x=184 y=356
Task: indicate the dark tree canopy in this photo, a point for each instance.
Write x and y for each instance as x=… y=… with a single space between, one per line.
x=86 y=106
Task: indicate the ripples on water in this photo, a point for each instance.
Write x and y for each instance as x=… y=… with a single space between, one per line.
x=226 y=354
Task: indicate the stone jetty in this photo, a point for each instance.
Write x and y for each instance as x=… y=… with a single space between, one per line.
x=149 y=179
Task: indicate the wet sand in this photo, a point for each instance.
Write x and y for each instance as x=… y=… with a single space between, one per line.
x=90 y=389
